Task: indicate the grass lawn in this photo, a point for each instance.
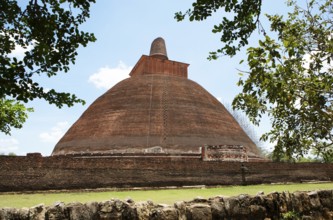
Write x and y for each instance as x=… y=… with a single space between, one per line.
x=165 y=196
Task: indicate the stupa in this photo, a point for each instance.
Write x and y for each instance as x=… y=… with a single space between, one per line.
x=156 y=110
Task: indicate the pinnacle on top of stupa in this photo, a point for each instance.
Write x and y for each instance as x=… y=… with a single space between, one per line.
x=157 y=110
x=158 y=49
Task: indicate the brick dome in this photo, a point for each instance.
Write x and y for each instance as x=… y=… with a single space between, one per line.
x=156 y=109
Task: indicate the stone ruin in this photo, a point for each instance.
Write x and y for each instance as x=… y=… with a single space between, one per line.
x=225 y=153
x=273 y=206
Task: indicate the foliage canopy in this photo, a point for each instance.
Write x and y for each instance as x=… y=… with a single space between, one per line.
x=234 y=32
x=48 y=32
x=290 y=73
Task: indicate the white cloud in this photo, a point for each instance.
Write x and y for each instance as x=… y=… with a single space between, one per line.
x=107 y=77
x=55 y=134
x=9 y=145
x=307 y=59
x=19 y=51
x=46 y=89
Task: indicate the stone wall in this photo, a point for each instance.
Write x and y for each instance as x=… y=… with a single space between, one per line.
x=285 y=205
x=236 y=153
x=34 y=172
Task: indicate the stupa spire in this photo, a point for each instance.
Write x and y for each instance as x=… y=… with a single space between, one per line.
x=156 y=110
x=158 y=49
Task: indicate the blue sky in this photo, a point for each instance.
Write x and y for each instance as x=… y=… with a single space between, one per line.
x=124 y=31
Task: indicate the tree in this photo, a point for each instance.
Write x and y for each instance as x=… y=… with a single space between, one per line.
x=48 y=31
x=12 y=114
x=236 y=31
x=290 y=77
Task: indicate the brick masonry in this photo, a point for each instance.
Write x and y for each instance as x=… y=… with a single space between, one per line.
x=34 y=172
x=151 y=65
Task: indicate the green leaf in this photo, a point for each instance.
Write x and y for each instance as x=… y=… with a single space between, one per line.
x=52 y=29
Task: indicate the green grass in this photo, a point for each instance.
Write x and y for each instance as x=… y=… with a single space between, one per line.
x=165 y=196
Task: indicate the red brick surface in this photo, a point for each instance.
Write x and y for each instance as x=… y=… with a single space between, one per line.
x=153 y=110
x=152 y=65
x=60 y=172
x=156 y=109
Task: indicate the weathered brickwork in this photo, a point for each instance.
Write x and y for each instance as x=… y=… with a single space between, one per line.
x=151 y=65
x=156 y=109
x=225 y=153
x=63 y=172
